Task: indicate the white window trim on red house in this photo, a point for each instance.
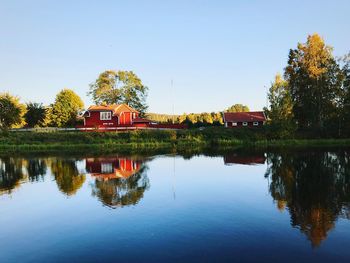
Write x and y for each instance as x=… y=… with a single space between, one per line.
x=105 y=115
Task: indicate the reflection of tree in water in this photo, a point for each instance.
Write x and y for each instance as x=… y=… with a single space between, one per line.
x=67 y=176
x=315 y=188
x=36 y=169
x=119 y=192
x=11 y=174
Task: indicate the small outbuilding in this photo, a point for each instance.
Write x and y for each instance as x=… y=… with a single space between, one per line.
x=244 y=119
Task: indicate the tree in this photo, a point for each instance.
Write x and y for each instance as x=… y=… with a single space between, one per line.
x=344 y=103
x=182 y=118
x=35 y=115
x=280 y=113
x=66 y=108
x=238 y=108
x=206 y=118
x=217 y=118
x=11 y=111
x=115 y=87
x=313 y=77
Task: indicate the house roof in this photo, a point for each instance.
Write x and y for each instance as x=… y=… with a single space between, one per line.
x=244 y=116
x=115 y=108
x=141 y=120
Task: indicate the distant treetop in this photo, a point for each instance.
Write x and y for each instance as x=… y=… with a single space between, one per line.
x=237 y=108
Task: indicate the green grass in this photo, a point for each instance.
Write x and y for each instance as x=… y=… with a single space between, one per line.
x=146 y=140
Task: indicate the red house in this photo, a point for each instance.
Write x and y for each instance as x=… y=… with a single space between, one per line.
x=112 y=116
x=244 y=119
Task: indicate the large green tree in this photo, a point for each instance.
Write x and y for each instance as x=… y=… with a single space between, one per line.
x=344 y=102
x=66 y=108
x=114 y=87
x=313 y=77
x=280 y=114
x=238 y=108
x=11 y=111
x=35 y=115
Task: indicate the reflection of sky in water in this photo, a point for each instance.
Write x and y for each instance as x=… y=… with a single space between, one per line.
x=193 y=210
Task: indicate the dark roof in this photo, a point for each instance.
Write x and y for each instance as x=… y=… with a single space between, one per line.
x=141 y=120
x=244 y=116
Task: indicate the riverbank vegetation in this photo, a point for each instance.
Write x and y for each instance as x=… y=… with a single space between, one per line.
x=146 y=140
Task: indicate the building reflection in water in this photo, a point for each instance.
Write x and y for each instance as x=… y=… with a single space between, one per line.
x=314 y=187
x=119 y=181
x=245 y=158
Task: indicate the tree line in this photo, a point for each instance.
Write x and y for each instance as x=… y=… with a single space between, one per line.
x=197 y=119
x=111 y=87
x=67 y=107
x=312 y=97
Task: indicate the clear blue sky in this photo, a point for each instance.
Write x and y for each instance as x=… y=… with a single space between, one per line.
x=217 y=52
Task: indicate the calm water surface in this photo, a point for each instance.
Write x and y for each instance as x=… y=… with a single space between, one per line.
x=238 y=207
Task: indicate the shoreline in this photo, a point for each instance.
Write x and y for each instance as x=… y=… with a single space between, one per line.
x=148 y=142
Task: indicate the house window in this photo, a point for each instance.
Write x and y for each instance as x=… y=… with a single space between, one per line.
x=234 y=123
x=106 y=168
x=245 y=123
x=255 y=123
x=133 y=115
x=106 y=115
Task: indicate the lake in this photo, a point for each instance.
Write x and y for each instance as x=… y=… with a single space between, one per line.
x=236 y=206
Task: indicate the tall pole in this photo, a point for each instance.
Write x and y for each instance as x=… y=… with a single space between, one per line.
x=172 y=95
x=267 y=97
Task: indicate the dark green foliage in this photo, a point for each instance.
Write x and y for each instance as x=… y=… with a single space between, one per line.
x=313 y=78
x=281 y=123
x=35 y=115
x=344 y=103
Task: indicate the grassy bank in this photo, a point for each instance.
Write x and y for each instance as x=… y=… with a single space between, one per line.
x=147 y=140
